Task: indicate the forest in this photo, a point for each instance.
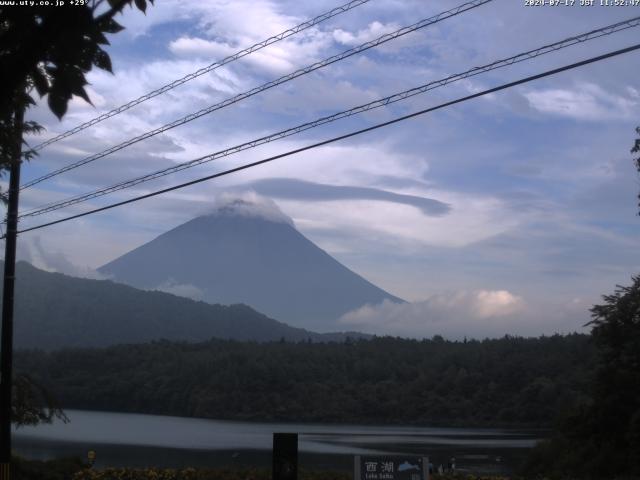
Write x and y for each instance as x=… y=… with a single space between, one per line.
x=507 y=381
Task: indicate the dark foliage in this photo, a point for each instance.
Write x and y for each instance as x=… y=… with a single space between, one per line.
x=32 y=404
x=202 y=474
x=506 y=381
x=50 y=50
x=59 y=469
x=615 y=412
x=636 y=149
x=601 y=438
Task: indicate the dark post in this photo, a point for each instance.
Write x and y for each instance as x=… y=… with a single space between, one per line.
x=285 y=456
x=6 y=342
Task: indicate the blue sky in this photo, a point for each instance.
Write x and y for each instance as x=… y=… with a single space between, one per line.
x=511 y=213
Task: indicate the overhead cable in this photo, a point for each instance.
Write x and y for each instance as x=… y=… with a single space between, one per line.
x=231 y=58
x=341 y=137
x=617 y=27
x=286 y=78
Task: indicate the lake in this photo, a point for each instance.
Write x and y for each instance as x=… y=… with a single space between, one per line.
x=124 y=439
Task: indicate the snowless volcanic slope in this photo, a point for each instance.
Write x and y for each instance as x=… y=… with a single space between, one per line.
x=242 y=255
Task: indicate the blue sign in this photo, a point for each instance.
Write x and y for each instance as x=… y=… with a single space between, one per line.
x=391 y=468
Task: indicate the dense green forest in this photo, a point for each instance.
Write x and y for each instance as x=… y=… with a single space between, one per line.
x=508 y=381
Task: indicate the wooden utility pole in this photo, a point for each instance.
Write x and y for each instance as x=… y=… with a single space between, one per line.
x=6 y=342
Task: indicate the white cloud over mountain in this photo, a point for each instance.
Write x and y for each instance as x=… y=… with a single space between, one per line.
x=471 y=314
x=250 y=204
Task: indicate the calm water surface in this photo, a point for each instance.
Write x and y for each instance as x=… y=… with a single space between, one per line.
x=122 y=439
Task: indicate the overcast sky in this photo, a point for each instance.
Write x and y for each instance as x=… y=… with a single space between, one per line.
x=510 y=213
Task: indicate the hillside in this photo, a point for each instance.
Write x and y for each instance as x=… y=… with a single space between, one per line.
x=54 y=310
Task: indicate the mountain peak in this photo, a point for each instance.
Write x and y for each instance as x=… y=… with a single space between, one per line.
x=247 y=251
x=251 y=205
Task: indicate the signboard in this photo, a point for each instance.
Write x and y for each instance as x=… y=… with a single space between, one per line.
x=285 y=456
x=391 y=468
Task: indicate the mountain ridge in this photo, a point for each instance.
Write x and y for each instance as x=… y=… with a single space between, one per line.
x=53 y=310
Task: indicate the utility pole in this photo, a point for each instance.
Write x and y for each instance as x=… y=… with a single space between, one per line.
x=6 y=342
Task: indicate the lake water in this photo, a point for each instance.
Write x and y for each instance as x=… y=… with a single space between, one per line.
x=122 y=439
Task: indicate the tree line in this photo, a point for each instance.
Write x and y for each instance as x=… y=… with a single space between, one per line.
x=507 y=381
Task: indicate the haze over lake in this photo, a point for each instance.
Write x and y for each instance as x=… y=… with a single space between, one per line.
x=122 y=439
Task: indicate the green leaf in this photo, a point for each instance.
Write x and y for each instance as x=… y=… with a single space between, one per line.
x=101 y=60
x=142 y=5
x=40 y=81
x=81 y=92
x=72 y=81
x=58 y=103
x=111 y=26
x=118 y=5
x=28 y=100
x=85 y=59
x=31 y=126
x=99 y=38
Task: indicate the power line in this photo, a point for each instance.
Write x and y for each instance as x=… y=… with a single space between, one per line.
x=608 y=30
x=342 y=137
x=242 y=96
x=231 y=58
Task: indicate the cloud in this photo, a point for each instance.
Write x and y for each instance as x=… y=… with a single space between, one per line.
x=215 y=17
x=375 y=226
x=373 y=31
x=58 y=262
x=586 y=101
x=250 y=204
x=325 y=92
x=471 y=314
x=497 y=303
x=23 y=252
x=282 y=57
x=190 y=46
x=181 y=290
x=302 y=190
x=228 y=27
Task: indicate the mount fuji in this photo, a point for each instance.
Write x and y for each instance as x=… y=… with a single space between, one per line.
x=249 y=252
